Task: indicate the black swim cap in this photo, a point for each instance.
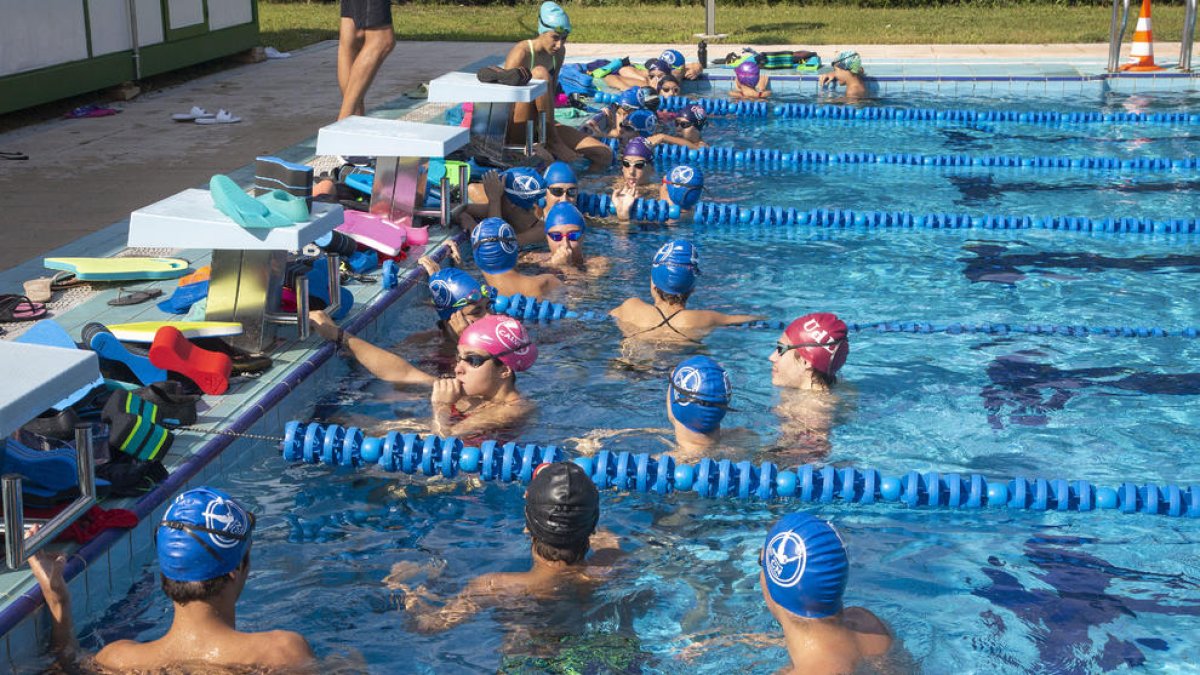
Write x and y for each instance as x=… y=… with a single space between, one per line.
x=562 y=505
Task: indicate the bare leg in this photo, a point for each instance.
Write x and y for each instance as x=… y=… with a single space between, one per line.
x=377 y=44
x=524 y=112
x=350 y=41
x=600 y=155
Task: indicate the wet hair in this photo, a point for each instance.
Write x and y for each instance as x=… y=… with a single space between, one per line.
x=568 y=554
x=183 y=592
x=665 y=79
x=826 y=380
x=673 y=298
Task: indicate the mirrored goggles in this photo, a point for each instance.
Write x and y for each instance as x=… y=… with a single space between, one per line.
x=782 y=348
x=571 y=192
x=573 y=235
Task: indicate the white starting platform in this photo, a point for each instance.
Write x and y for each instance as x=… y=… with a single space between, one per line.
x=492 y=110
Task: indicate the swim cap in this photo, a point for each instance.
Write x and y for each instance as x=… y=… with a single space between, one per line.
x=551 y=17
x=675 y=267
x=637 y=98
x=560 y=172
x=696 y=115
x=850 y=61
x=805 y=566
x=524 y=187
x=649 y=97
x=824 y=338
x=700 y=394
x=562 y=504
x=747 y=73
x=658 y=64
x=495 y=246
x=636 y=147
x=564 y=213
x=673 y=58
x=504 y=338
x=643 y=122
x=203 y=535
x=451 y=286
x=684 y=185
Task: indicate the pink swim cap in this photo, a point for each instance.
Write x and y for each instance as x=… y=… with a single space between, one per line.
x=504 y=338
x=823 y=339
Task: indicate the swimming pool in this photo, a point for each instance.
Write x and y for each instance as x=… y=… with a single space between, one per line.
x=965 y=592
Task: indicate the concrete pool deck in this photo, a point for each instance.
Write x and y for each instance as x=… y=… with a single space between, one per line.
x=84 y=175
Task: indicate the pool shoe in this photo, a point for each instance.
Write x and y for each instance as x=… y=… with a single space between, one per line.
x=176 y=406
x=241 y=207
x=196 y=113
x=243 y=362
x=172 y=351
x=286 y=204
x=513 y=77
x=56 y=424
x=39 y=290
x=223 y=116
x=93 y=110
x=135 y=435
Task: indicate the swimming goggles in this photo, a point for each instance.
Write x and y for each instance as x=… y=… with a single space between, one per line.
x=571 y=192
x=474 y=360
x=683 y=124
x=689 y=188
x=781 y=348
x=192 y=528
x=492 y=240
x=481 y=293
x=573 y=235
x=686 y=397
x=633 y=165
x=559 y=30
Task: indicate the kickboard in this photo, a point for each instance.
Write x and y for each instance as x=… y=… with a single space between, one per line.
x=107 y=346
x=373 y=231
x=363 y=182
x=49 y=334
x=209 y=370
x=120 y=269
x=144 y=331
x=318 y=287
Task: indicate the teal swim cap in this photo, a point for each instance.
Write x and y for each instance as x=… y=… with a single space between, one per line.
x=850 y=61
x=551 y=17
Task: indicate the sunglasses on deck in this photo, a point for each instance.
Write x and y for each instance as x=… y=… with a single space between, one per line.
x=562 y=191
x=573 y=235
x=633 y=165
x=781 y=348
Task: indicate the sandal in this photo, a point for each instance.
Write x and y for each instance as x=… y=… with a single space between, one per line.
x=125 y=298
x=64 y=280
x=38 y=290
x=15 y=307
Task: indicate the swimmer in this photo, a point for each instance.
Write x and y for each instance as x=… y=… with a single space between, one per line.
x=543 y=55
x=848 y=72
x=803 y=577
x=672 y=280
x=683 y=187
x=680 y=68
x=203 y=548
x=516 y=195
x=459 y=300
x=629 y=74
x=562 y=510
x=565 y=227
x=637 y=124
x=495 y=251
x=804 y=364
x=698 y=396
x=561 y=185
x=610 y=120
x=669 y=86
x=688 y=125
x=750 y=82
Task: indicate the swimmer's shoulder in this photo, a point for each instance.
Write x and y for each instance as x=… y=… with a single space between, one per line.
x=873 y=636
x=280 y=648
x=630 y=305
x=125 y=655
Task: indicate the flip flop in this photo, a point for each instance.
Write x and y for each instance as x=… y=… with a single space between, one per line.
x=273 y=53
x=196 y=113
x=92 y=110
x=15 y=307
x=125 y=299
x=223 y=116
x=4 y=154
x=64 y=280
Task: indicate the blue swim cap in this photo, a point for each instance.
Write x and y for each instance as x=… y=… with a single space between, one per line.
x=203 y=535
x=805 y=566
x=684 y=185
x=524 y=187
x=675 y=267
x=673 y=58
x=495 y=245
x=643 y=122
x=700 y=394
x=452 y=286
x=632 y=99
x=560 y=172
x=551 y=17
x=564 y=213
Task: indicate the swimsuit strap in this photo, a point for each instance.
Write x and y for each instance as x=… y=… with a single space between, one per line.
x=666 y=321
x=533 y=59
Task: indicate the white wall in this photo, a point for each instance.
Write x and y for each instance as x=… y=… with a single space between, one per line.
x=39 y=34
x=226 y=13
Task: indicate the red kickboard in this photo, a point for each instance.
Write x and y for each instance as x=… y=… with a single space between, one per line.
x=209 y=370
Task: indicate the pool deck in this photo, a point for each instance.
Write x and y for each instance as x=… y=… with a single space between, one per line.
x=84 y=177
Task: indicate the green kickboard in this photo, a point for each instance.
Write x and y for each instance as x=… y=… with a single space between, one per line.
x=120 y=269
x=143 y=331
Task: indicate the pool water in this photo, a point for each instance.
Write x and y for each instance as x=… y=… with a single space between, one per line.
x=979 y=592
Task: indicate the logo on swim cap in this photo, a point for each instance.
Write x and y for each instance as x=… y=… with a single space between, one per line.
x=220 y=516
x=687 y=380
x=785 y=559
x=442 y=295
x=682 y=174
x=525 y=186
x=511 y=336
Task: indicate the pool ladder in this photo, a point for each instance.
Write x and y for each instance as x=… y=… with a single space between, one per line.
x=1116 y=35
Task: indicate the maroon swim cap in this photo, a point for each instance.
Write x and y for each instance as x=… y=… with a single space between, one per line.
x=821 y=340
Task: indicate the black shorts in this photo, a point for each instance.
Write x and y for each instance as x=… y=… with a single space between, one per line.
x=368 y=13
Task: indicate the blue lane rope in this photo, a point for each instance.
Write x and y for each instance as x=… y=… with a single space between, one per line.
x=529 y=309
x=430 y=455
x=722 y=156
x=714 y=213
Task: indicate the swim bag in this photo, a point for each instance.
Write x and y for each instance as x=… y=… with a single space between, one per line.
x=572 y=79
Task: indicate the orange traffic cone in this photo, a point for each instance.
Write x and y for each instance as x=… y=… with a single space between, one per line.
x=1142 y=49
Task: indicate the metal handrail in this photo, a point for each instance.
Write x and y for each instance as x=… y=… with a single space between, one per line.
x=1189 y=33
x=17 y=546
x=1116 y=35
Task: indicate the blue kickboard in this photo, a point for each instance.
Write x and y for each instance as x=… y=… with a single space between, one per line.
x=107 y=346
x=48 y=333
x=318 y=287
x=363 y=182
x=46 y=472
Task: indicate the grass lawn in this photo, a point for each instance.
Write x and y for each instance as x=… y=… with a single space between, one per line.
x=291 y=25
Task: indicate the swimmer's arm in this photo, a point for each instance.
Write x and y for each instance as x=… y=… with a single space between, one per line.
x=548 y=286
x=489 y=419
x=383 y=364
x=606 y=548
x=478 y=595
x=673 y=140
x=622 y=311
x=47 y=568
x=531 y=235
x=711 y=318
x=758 y=640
